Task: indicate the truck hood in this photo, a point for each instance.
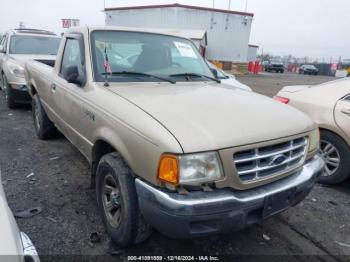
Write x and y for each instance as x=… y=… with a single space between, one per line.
x=294 y=89
x=210 y=116
x=22 y=59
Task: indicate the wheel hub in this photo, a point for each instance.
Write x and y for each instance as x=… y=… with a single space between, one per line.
x=331 y=157
x=111 y=200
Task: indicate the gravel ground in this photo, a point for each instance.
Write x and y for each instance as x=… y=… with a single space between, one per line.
x=54 y=176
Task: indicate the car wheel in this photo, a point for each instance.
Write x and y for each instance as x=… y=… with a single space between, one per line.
x=118 y=202
x=44 y=128
x=335 y=152
x=9 y=96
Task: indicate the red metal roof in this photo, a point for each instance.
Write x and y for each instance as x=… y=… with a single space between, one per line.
x=179 y=5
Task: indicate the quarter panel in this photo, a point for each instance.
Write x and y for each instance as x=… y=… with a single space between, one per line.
x=342 y=118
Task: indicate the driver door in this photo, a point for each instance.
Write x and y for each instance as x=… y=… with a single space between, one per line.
x=69 y=97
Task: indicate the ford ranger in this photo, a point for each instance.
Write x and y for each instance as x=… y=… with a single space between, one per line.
x=170 y=147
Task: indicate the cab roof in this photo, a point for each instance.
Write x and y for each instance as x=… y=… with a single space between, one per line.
x=168 y=32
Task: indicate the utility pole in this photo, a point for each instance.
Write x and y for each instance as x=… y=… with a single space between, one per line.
x=213 y=3
x=229 y=4
x=246 y=6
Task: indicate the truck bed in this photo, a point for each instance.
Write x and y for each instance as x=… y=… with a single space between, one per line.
x=47 y=62
x=39 y=71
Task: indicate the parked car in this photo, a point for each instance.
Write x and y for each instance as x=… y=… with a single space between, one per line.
x=308 y=70
x=15 y=246
x=168 y=147
x=328 y=105
x=228 y=79
x=18 y=46
x=274 y=65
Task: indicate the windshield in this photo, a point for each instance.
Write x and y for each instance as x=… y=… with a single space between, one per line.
x=38 y=45
x=221 y=74
x=118 y=53
x=310 y=66
x=276 y=61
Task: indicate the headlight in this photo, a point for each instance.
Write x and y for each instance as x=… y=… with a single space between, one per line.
x=314 y=140
x=16 y=70
x=190 y=169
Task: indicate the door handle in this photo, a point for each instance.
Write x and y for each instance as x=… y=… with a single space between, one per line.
x=346 y=111
x=53 y=87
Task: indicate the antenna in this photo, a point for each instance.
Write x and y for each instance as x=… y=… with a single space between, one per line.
x=106 y=63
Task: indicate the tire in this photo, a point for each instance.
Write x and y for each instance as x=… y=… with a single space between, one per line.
x=44 y=128
x=115 y=188
x=9 y=96
x=342 y=172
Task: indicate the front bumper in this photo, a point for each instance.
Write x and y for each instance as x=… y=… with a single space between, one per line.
x=20 y=93
x=279 y=68
x=29 y=252
x=221 y=211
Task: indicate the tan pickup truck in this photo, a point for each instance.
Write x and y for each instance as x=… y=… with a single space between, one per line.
x=171 y=147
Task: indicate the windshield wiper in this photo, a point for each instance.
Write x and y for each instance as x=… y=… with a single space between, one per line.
x=140 y=74
x=196 y=75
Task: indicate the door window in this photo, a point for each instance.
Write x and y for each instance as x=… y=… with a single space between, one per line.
x=72 y=56
x=4 y=42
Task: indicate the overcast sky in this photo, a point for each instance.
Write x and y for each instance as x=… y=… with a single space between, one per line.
x=315 y=28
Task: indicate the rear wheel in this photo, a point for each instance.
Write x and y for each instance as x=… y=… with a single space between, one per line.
x=118 y=202
x=335 y=153
x=44 y=128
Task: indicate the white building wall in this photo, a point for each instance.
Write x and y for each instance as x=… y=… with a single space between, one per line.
x=252 y=53
x=228 y=34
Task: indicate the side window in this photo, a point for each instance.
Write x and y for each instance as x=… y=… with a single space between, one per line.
x=4 y=42
x=72 y=56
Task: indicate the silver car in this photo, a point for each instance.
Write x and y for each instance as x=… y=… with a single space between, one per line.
x=15 y=246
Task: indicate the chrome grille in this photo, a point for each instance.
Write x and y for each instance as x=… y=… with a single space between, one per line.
x=261 y=162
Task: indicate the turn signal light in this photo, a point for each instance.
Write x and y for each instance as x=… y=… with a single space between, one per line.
x=281 y=99
x=168 y=170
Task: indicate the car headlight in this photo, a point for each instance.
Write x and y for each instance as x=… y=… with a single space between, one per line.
x=190 y=169
x=314 y=140
x=16 y=70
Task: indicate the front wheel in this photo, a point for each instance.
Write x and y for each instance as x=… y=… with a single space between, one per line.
x=335 y=153
x=118 y=202
x=9 y=96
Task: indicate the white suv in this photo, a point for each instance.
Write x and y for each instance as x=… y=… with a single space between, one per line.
x=16 y=47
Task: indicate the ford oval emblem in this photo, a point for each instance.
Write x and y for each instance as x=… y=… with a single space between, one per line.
x=278 y=160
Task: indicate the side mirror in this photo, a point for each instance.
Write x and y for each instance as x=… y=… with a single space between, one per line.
x=2 y=49
x=71 y=74
x=215 y=72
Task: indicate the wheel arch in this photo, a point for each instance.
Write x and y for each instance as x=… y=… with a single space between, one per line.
x=32 y=90
x=101 y=147
x=336 y=132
